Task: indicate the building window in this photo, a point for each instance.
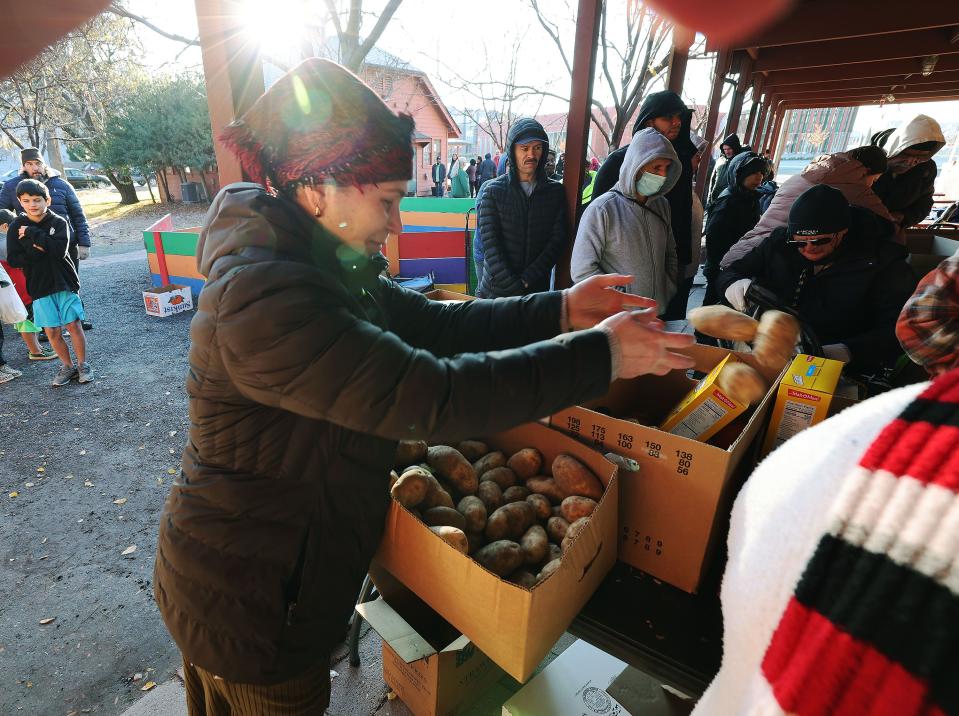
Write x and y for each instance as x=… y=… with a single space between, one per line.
x=427 y=154
x=438 y=149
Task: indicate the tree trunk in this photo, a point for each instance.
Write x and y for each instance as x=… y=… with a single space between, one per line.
x=146 y=175
x=162 y=181
x=128 y=193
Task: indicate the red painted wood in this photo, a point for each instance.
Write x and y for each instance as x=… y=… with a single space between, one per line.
x=432 y=245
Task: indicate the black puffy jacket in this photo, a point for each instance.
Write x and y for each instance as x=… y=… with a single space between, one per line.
x=523 y=236
x=910 y=193
x=735 y=212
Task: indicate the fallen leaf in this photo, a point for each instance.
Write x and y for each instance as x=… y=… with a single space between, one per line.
x=41 y=469
x=137 y=676
x=28 y=484
x=159 y=480
x=68 y=477
x=129 y=550
x=45 y=556
x=48 y=620
x=172 y=451
x=45 y=412
x=14 y=493
x=171 y=471
x=43 y=541
x=87 y=483
x=83 y=452
x=121 y=501
x=172 y=433
x=148 y=685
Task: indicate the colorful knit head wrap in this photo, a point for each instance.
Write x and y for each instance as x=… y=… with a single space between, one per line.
x=319 y=121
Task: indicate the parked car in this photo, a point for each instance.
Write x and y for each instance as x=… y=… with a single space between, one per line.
x=9 y=175
x=82 y=180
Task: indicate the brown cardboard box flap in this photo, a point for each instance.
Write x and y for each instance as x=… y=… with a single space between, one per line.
x=395 y=630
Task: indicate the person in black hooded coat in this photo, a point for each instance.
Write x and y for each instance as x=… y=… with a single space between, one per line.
x=665 y=109
x=719 y=180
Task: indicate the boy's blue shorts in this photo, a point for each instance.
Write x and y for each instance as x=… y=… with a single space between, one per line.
x=57 y=309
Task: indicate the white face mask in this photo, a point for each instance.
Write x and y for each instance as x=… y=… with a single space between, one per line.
x=649 y=184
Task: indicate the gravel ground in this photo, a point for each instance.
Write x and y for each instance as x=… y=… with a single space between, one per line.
x=70 y=454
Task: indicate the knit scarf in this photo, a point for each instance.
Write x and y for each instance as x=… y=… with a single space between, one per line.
x=873 y=625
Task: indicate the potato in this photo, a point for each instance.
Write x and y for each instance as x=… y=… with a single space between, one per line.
x=501 y=557
x=523 y=578
x=393 y=478
x=548 y=569
x=556 y=528
x=723 y=322
x=488 y=462
x=502 y=476
x=541 y=507
x=473 y=509
x=409 y=452
x=454 y=537
x=411 y=488
x=450 y=464
x=491 y=495
x=546 y=486
x=526 y=463
x=574 y=529
x=574 y=478
x=742 y=383
x=775 y=339
x=510 y=521
x=575 y=507
x=554 y=551
x=436 y=516
x=535 y=545
x=472 y=450
x=516 y=493
x=436 y=496
x=476 y=540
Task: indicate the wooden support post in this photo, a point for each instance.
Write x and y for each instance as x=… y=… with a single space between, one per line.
x=577 y=130
x=774 y=135
x=771 y=105
x=723 y=59
x=744 y=65
x=757 y=93
x=233 y=70
x=679 y=56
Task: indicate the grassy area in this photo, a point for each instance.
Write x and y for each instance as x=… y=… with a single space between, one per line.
x=104 y=204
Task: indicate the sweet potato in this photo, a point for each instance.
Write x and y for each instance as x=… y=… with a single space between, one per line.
x=523 y=578
x=509 y=521
x=526 y=463
x=575 y=507
x=574 y=529
x=541 y=506
x=454 y=537
x=546 y=486
x=775 y=339
x=436 y=516
x=548 y=569
x=742 y=383
x=501 y=557
x=488 y=462
x=556 y=528
x=411 y=488
x=502 y=476
x=574 y=478
x=491 y=495
x=473 y=509
x=472 y=450
x=516 y=493
x=723 y=322
x=450 y=464
x=535 y=545
x=409 y=452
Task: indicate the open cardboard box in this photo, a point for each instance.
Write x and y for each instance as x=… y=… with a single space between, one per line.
x=514 y=626
x=668 y=509
x=440 y=294
x=927 y=251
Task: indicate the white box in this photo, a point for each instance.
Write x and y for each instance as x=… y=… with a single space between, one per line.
x=167 y=300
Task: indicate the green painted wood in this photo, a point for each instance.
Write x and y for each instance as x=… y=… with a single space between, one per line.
x=175 y=243
x=437 y=206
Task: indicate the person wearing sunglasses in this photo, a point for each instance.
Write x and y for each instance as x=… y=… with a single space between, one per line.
x=846 y=283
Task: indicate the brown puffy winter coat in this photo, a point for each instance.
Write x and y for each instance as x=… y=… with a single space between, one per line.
x=306 y=367
x=837 y=170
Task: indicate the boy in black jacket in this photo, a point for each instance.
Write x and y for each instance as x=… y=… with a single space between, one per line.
x=38 y=242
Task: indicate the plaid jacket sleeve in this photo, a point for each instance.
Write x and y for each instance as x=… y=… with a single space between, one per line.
x=928 y=327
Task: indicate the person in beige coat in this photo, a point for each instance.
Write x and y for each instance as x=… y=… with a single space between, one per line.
x=853 y=173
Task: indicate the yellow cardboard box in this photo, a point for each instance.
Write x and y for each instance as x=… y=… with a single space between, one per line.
x=805 y=394
x=705 y=410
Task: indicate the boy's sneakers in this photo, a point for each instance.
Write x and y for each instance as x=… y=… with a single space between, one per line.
x=46 y=353
x=64 y=375
x=7 y=373
x=84 y=374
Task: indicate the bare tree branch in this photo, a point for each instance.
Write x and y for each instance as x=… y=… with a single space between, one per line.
x=384 y=19
x=117 y=9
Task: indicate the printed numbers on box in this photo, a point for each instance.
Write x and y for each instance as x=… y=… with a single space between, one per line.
x=653 y=448
x=573 y=425
x=651 y=545
x=684 y=462
x=599 y=435
x=625 y=441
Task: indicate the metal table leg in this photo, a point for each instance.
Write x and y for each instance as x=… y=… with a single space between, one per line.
x=357 y=621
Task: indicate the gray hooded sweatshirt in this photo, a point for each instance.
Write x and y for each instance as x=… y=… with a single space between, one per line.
x=618 y=234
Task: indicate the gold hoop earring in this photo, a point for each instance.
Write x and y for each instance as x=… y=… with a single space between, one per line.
x=316 y=211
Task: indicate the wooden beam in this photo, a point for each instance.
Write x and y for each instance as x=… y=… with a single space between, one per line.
x=577 y=130
x=233 y=71
x=951 y=90
x=824 y=103
x=767 y=125
x=878 y=84
x=773 y=140
x=723 y=60
x=898 y=45
x=946 y=65
x=819 y=20
x=743 y=64
x=678 y=57
x=756 y=139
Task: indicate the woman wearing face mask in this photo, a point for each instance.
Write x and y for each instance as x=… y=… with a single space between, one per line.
x=628 y=229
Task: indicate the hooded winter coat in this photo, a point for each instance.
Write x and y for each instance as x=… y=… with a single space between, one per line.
x=910 y=193
x=855 y=300
x=460 y=184
x=620 y=234
x=837 y=170
x=720 y=177
x=523 y=236
x=63 y=201
x=306 y=368
x=663 y=104
x=486 y=170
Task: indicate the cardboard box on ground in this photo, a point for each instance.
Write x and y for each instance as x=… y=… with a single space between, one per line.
x=926 y=250
x=167 y=300
x=668 y=509
x=514 y=626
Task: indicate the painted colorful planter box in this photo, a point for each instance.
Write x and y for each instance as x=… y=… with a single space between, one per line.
x=171 y=254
